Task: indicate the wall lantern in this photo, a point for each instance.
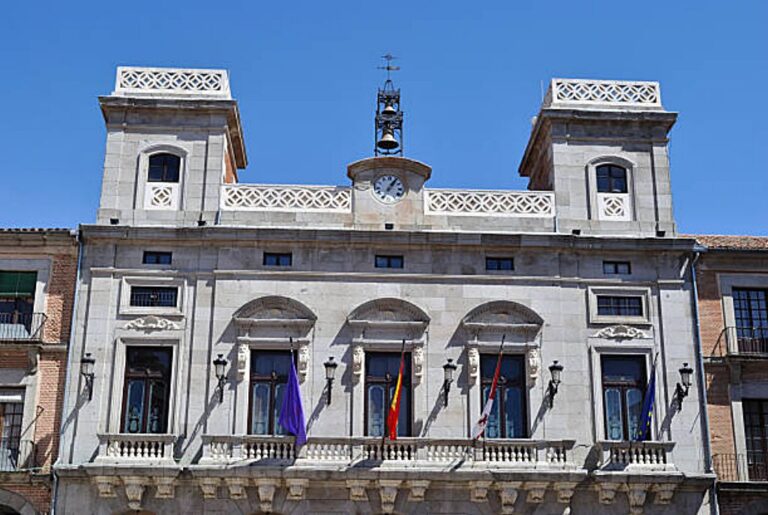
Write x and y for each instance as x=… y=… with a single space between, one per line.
x=86 y=369
x=448 y=369
x=686 y=379
x=220 y=367
x=555 y=373
x=330 y=373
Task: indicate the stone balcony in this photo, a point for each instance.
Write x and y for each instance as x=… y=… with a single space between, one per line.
x=648 y=456
x=135 y=449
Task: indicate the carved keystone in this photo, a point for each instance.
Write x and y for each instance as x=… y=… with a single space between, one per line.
x=636 y=495
x=296 y=489
x=508 y=493
x=388 y=491
x=418 y=489
x=165 y=487
x=266 y=488
x=237 y=487
x=105 y=485
x=479 y=490
x=536 y=491
x=357 y=490
x=608 y=492
x=209 y=486
x=134 y=490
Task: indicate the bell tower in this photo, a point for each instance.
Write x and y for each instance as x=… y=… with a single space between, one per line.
x=388 y=130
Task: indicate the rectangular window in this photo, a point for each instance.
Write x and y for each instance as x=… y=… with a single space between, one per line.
x=154 y=296
x=146 y=392
x=17 y=301
x=156 y=258
x=381 y=370
x=389 y=261
x=509 y=415
x=756 y=433
x=499 y=263
x=278 y=259
x=11 y=415
x=617 y=268
x=624 y=384
x=619 y=306
x=751 y=313
x=269 y=375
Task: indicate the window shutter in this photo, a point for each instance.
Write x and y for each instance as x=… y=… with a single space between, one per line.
x=17 y=284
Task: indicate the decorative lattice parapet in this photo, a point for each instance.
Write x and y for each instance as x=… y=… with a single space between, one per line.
x=172 y=82
x=540 y=204
x=603 y=93
x=253 y=197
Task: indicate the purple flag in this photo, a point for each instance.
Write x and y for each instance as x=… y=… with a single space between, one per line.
x=292 y=412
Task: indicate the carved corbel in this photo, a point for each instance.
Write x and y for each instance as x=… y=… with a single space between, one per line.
x=237 y=487
x=358 y=358
x=473 y=362
x=209 y=487
x=663 y=492
x=636 y=494
x=357 y=490
x=105 y=485
x=418 y=363
x=303 y=361
x=534 y=365
x=134 y=490
x=508 y=493
x=243 y=355
x=479 y=490
x=608 y=492
x=565 y=491
x=266 y=488
x=418 y=489
x=297 y=488
x=388 y=489
x=536 y=491
x=165 y=487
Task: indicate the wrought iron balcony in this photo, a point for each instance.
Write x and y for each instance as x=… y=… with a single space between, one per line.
x=747 y=342
x=17 y=455
x=22 y=326
x=741 y=467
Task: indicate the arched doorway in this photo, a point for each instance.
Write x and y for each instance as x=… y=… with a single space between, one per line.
x=15 y=504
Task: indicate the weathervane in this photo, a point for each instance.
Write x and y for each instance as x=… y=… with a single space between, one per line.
x=388 y=138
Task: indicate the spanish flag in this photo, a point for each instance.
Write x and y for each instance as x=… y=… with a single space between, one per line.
x=394 y=407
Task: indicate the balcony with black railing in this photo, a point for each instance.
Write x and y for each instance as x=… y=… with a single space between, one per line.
x=17 y=455
x=751 y=467
x=748 y=342
x=20 y=327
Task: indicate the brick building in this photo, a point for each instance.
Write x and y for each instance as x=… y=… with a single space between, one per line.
x=732 y=280
x=37 y=287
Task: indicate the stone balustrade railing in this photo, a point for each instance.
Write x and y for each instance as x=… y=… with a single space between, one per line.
x=539 y=204
x=648 y=455
x=126 y=447
x=609 y=93
x=275 y=197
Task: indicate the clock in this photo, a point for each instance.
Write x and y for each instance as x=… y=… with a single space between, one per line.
x=388 y=188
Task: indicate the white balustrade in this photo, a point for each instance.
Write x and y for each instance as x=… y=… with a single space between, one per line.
x=613 y=93
x=398 y=450
x=614 y=206
x=172 y=82
x=161 y=195
x=644 y=455
x=252 y=197
x=509 y=452
x=135 y=447
x=539 y=204
x=328 y=449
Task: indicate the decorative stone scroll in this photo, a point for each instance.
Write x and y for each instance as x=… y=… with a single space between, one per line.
x=237 y=487
x=357 y=490
x=134 y=490
x=209 y=486
x=388 y=489
x=473 y=360
x=165 y=487
x=636 y=493
x=478 y=490
x=266 y=489
x=243 y=358
x=105 y=485
x=607 y=492
x=358 y=359
x=663 y=492
x=152 y=323
x=508 y=493
x=297 y=488
x=536 y=491
x=418 y=489
x=620 y=332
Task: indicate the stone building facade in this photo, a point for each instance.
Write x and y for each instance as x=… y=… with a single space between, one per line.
x=37 y=286
x=186 y=266
x=732 y=280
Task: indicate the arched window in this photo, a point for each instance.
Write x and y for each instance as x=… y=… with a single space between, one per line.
x=164 y=168
x=611 y=179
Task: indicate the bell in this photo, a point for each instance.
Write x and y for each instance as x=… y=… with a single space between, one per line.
x=388 y=110
x=387 y=141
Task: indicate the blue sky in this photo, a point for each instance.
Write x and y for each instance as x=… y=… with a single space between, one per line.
x=305 y=76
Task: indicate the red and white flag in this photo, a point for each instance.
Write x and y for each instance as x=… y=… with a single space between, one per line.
x=479 y=428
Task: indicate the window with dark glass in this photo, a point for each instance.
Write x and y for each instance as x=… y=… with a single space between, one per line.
x=624 y=383
x=619 y=306
x=278 y=259
x=156 y=258
x=17 y=301
x=389 y=262
x=611 y=179
x=154 y=296
x=509 y=415
x=269 y=375
x=147 y=389
x=381 y=370
x=164 y=168
x=499 y=263
x=751 y=313
x=617 y=268
x=11 y=414
x=756 y=433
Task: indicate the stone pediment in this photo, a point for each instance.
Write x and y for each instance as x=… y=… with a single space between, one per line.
x=502 y=316
x=388 y=310
x=275 y=308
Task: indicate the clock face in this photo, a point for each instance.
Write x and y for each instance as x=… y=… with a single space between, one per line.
x=388 y=188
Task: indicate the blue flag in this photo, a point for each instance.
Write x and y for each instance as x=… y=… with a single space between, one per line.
x=646 y=416
x=292 y=412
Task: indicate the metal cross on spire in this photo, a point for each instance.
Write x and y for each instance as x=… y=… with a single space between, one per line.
x=389 y=67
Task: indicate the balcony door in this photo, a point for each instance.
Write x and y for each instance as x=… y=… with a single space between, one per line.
x=11 y=414
x=756 y=432
x=751 y=313
x=147 y=388
x=17 y=300
x=624 y=384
